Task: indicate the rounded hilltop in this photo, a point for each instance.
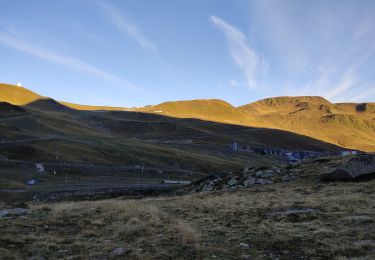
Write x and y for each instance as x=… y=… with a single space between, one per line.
x=208 y=109
x=17 y=95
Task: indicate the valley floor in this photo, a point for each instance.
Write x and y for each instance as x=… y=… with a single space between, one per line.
x=303 y=219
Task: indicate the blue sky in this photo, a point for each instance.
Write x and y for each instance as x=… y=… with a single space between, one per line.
x=135 y=53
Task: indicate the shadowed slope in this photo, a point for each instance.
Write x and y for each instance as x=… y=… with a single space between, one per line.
x=349 y=125
x=21 y=96
x=89 y=107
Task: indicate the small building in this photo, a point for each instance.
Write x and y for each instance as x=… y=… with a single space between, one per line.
x=31 y=182
x=291 y=157
x=348 y=152
x=234 y=146
x=39 y=167
x=185 y=182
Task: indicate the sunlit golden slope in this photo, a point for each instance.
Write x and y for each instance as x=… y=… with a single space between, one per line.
x=206 y=109
x=346 y=124
x=17 y=95
x=349 y=125
x=21 y=96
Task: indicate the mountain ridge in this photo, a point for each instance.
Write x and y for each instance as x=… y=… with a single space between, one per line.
x=350 y=125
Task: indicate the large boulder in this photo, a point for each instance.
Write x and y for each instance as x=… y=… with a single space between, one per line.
x=356 y=169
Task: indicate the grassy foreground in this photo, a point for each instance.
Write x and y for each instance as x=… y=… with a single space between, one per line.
x=246 y=223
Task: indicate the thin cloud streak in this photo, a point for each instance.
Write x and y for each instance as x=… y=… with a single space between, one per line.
x=365 y=94
x=326 y=51
x=67 y=61
x=125 y=26
x=347 y=82
x=243 y=55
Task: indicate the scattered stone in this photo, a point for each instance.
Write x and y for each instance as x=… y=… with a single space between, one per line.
x=258 y=174
x=39 y=167
x=119 y=251
x=207 y=188
x=263 y=181
x=249 y=182
x=248 y=177
x=356 y=169
x=232 y=182
x=244 y=245
x=62 y=251
x=359 y=219
x=288 y=177
x=365 y=243
x=269 y=172
x=293 y=212
x=225 y=187
x=13 y=212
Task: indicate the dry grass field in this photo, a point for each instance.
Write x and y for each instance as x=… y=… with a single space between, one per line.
x=302 y=219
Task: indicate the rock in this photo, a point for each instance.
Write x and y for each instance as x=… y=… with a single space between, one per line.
x=249 y=182
x=263 y=181
x=232 y=182
x=119 y=251
x=359 y=219
x=293 y=212
x=265 y=174
x=39 y=167
x=13 y=212
x=288 y=177
x=358 y=168
x=244 y=245
x=225 y=187
x=365 y=243
x=207 y=188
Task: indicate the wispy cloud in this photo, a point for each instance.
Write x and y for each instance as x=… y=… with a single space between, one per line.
x=326 y=51
x=233 y=83
x=67 y=61
x=367 y=94
x=124 y=25
x=244 y=56
x=346 y=83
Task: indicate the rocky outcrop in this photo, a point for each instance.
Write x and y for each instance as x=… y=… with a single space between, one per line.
x=356 y=169
x=13 y=212
x=246 y=178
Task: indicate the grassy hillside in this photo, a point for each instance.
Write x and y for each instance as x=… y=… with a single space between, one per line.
x=49 y=132
x=348 y=125
x=17 y=95
x=206 y=109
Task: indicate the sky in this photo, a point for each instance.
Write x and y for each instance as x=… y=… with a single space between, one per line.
x=136 y=52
